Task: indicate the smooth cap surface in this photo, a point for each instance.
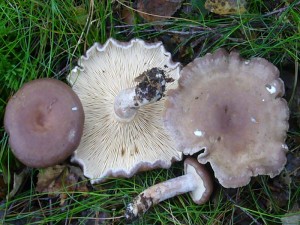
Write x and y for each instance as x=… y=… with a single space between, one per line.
x=234 y=110
x=44 y=120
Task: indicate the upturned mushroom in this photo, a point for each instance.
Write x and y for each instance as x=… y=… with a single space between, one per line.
x=123 y=132
x=196 y=181
x=231 y=112
x=44 y=120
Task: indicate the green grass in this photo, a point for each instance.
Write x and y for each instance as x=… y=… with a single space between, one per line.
x=45 y=39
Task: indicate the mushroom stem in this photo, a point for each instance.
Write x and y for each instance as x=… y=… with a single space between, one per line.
x=151 y=87
x=160 y=192
x=197 y=181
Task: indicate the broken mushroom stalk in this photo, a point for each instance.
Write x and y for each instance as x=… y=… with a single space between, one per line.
x=151 y=87
x=196 y=180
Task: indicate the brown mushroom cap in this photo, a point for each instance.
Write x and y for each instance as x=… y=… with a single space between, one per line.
x=204 y=181
x=44 y=120
x=232 y=108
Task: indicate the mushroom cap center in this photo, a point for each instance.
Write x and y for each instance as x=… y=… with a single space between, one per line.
x=231 y=116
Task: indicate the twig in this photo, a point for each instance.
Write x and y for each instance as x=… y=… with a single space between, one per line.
x=281 y=10
x=96 y=218
x=168 y=31
x=295 y=81
x=204 y=28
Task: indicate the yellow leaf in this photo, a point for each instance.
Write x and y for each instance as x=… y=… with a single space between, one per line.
x=225 y=7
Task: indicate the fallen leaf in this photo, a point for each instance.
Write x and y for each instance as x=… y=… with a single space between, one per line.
x=58 y=179
x=157 y=10
x=127 y=16
x=81 y=15
x=225 y=7
x=47 y=178
x=18 y=182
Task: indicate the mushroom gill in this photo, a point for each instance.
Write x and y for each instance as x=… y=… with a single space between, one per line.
x=122 y=133
x=232 y=109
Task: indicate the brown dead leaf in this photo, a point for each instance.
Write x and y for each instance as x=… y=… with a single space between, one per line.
x=127 y=16
x=47 y=178
x=157 y=10
x=19 y=179
x=58 y=179
x=225 y=7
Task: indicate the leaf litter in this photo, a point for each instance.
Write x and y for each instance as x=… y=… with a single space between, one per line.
x=59 y=179
x=157 y=10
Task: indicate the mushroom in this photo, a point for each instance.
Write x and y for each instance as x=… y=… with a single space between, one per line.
x=196 y=180
x=123 y=133
x=44 y=120
x=231 y=112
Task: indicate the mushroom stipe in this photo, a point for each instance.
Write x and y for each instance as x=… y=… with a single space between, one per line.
x=196 y=180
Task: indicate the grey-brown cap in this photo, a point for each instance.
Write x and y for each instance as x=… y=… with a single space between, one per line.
x=234 y=110
x=44 y=120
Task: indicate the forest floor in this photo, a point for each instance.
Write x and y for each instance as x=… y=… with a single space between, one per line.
x=46 y=38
